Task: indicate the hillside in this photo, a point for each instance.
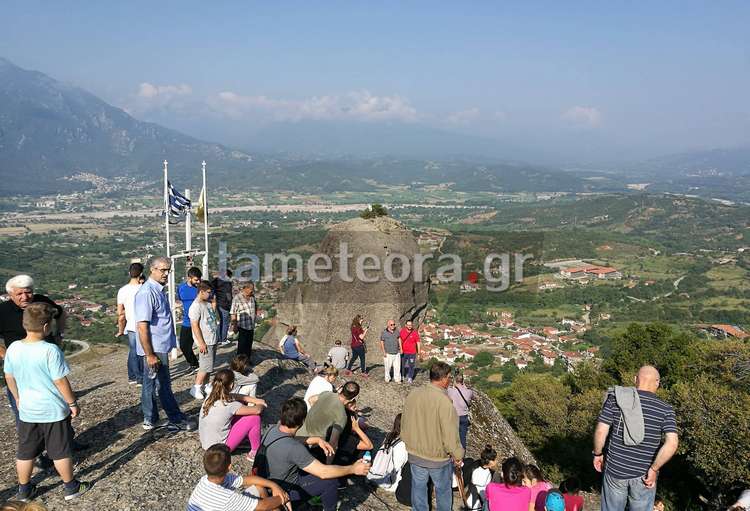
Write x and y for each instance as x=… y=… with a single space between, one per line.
x=49 y=130
x=132 y=469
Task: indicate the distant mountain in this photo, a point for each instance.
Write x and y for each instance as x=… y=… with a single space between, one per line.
x=714 y=162
x=717 y=173
x=371 y=139
x=49 y=130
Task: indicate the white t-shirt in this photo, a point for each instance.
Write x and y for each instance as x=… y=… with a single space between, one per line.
x=480 y=478
x=318 y=385
x=205 y=315
x=208 y=496
x=400 y=457
x=126 y=297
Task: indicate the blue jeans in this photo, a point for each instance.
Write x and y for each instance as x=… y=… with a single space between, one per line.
x=160 y=385
x=358 y=353
x=408 y=365
x=441 y=477
x=616 y=493
x=223 y=324
x=135 y=363
x=463 y=429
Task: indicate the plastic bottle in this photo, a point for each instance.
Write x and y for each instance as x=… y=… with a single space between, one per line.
x=367 y=457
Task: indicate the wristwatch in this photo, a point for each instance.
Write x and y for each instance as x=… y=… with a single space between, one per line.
x=595 y=455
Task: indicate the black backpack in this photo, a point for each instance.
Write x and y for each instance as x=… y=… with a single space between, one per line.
x=403 y=490
x=260 y=465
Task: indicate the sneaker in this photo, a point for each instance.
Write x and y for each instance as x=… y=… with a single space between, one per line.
x=148 y=426
x=132 y=382
x=251 y=456
x=176 y=427
x=139 y=384
x=82 y=488
x=315 y=502
x=27 y=497
x=197 y=393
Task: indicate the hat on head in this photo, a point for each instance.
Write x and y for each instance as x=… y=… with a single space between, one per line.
x=554 y=501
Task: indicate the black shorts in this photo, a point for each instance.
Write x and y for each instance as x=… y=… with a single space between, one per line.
x=55 y=437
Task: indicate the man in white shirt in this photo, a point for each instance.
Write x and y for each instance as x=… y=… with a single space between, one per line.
x=126 y=322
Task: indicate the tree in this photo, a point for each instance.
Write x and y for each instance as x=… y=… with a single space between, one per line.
x=374 y=211
x=483 y=359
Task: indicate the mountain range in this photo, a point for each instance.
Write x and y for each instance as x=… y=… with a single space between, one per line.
x=50 y=130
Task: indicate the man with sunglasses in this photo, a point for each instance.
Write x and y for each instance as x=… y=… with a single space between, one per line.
x=156 y=334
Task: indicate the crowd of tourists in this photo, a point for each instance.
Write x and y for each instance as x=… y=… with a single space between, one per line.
x=320 y=443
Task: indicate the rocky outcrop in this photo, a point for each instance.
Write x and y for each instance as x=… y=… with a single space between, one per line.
x=323 y=311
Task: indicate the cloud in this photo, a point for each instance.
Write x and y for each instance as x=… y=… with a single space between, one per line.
x=464 y=116
x=356 y=105
x=150 y=98
x=583 y=115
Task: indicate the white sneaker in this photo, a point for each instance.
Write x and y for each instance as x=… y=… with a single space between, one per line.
x=207 y=389
x=196 y=393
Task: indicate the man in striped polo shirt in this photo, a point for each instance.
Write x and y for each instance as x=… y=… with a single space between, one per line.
x=630 y=471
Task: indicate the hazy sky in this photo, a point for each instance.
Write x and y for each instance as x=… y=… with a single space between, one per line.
x=597 y=79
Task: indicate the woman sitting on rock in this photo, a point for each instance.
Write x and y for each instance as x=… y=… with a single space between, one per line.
x=509 y=493
x=291 y=348
x=229 y=418
x=321 y=383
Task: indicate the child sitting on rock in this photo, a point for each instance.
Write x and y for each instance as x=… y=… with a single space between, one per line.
x=245 y=380
x=219 y=489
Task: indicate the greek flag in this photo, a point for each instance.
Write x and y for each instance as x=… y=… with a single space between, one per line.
x=178 y=204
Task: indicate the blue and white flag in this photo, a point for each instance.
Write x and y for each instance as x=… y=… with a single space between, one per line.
x=179 y=205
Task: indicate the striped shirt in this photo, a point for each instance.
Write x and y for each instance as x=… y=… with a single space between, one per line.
x=630 y=462
x=208 y=496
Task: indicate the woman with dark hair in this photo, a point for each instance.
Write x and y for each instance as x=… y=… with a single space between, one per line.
x=358 y=345
x=539 y=487
x=227 y=418
x=508 y=493
x=570 y=488
x=390 y=459
x=291 y=348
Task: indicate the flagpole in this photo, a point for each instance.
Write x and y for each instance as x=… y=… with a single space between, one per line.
x=188 y=226
x=170 y=284
x=205 y=222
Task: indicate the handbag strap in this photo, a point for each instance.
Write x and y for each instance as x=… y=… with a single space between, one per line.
x=462 y=396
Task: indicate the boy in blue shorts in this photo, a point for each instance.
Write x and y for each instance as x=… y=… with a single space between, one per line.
x=36 y=373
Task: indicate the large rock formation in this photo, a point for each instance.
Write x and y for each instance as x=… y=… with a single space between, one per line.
x=323 y=311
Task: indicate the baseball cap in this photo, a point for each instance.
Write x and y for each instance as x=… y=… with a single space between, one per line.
x=554 y=501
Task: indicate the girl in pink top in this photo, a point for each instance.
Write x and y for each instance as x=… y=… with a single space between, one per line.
x=532 y=477
x=510 y=494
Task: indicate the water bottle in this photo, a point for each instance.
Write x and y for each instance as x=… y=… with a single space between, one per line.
x=152 y=370
x=367 y=457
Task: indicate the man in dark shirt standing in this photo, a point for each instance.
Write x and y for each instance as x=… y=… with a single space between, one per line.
x=630 y=471
x=223 y=293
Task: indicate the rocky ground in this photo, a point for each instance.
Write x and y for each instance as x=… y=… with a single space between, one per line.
x=136 y=470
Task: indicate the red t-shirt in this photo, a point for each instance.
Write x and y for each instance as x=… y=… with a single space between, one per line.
x=356 y=332
x=409 y=341
x=573 y=502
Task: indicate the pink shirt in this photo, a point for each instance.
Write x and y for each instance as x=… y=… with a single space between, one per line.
x=540 y=487
x=508 y=498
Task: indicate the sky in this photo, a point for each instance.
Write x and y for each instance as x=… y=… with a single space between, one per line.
x=575 y=81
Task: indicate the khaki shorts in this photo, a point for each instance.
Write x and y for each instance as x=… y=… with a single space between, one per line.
x=206 y=360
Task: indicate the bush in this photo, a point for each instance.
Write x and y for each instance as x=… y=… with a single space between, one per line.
x=374 y=211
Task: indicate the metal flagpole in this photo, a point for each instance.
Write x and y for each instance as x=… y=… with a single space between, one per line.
x=205 y=223
x=188 y=227
x=170 y=283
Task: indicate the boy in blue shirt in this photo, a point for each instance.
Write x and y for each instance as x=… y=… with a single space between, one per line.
x=187 y=292
x=36 y=373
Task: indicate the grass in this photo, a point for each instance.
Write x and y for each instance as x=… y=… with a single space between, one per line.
x=729 y=277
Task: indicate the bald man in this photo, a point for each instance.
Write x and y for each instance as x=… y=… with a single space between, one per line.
x=630 y=471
